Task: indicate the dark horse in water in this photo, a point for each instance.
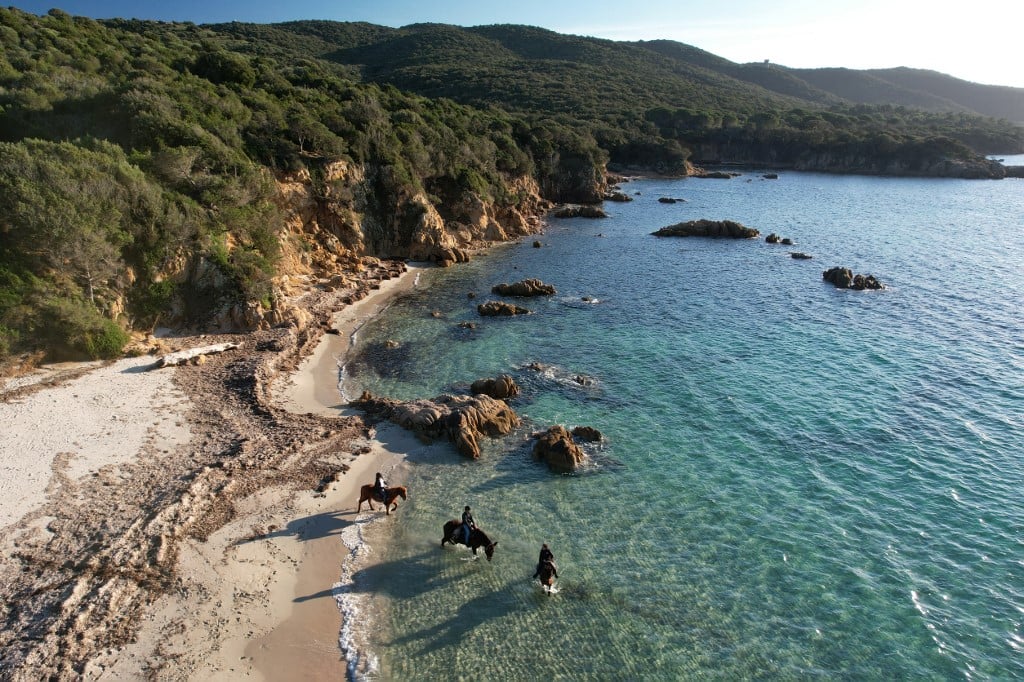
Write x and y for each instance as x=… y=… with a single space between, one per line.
x=547 y=573
x=477 y=538
x=391 y=496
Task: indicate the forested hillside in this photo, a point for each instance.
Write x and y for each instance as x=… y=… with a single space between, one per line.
x=655 y=103
x=145 y=166
x=140 y=162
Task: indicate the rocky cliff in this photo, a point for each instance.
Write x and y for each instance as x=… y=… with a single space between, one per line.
x=337 y=221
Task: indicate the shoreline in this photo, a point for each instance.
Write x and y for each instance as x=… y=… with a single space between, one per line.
x=285 y=652
x=174 y=527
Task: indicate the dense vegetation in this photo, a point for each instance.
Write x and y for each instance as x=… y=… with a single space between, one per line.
x=658 y=102
x=132 y=149
x=125 y=146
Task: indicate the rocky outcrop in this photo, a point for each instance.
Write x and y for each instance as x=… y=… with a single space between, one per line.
x=708 y=228
x=558 y=450
x=617 y=196
x=525 y=288
x=670 y=200
x=463 y=420
x=502 y=387
x=1014 y=171
x=716 y=175
x=587 y=434
x=583 y=211
x=500 y=308
x=843 y=278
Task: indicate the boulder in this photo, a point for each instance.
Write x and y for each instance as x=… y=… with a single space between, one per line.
x=717 y=175
x=499 y=388
x=557 y=448
x=772 y=238
x=708 y=228
x=581 y=212
x=844 y=278
x=527 y=287
x=587 y=434
x=500 y=308
x=460 y=419
x=800 y=255
x=670 y=200
x=618 y=196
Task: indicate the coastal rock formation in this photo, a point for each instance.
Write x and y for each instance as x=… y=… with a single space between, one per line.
x=843 y=278
x=525 y=288
x=460 y=419
x=500 y=308
x=587 y=434
x=800 y=255
x=708 y=228
x=503 y=387
x=581 y=212
x=557 y=448
x=670 y=200
x=617 y=196
x=716 y=175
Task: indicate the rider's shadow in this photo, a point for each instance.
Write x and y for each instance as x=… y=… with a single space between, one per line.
x=470 y=616
x=419 y=576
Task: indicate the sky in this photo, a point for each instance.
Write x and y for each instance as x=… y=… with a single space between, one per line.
x=974 y=41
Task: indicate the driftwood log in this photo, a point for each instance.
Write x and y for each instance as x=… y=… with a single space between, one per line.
x=181 y=357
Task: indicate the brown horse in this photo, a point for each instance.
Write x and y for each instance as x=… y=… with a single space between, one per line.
x=391 y=496
x=477 y=538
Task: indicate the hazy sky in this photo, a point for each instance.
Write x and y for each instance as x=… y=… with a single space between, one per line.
x=971 y=40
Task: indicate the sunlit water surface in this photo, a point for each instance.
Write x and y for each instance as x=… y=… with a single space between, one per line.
x=796 y=481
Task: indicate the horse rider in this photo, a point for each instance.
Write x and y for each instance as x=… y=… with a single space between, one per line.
x=546 y=565
x=545 y=555
x=468 y=524
x=379 y=488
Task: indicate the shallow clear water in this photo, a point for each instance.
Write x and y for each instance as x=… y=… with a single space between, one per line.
x=796 y=481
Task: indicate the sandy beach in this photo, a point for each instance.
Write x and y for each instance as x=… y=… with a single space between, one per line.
x=193 y=522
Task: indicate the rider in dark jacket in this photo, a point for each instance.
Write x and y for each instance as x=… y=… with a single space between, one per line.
x=545 y=555
x=378 y=488
x=467 y=524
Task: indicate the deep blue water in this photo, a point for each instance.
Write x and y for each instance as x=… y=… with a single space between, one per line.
x=796 y=481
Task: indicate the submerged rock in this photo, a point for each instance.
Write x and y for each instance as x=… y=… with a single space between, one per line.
x=499 y=308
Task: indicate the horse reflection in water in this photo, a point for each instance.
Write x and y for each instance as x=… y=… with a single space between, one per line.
x=391 y=496
x=477 y=538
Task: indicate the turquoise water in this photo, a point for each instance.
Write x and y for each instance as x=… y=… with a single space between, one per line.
x=796 y=481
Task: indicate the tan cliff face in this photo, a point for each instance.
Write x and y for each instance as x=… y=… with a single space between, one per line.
x=329 y=236
x=328 y=224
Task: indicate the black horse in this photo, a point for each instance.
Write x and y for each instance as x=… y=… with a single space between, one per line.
x=477 y=538
x=547 y=572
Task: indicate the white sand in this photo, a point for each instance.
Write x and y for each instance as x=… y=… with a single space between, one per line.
x=104 y=418
x=257 y=599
